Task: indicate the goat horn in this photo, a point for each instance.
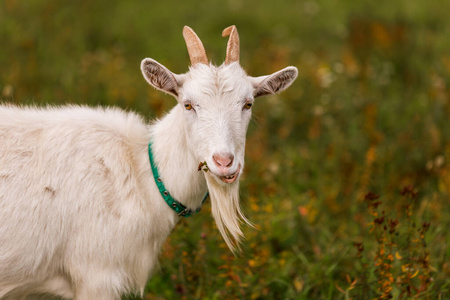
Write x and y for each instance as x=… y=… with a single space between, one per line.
x=195 y=47
x=233 y=44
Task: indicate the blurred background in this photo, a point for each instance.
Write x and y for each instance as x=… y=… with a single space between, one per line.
x=347 y=172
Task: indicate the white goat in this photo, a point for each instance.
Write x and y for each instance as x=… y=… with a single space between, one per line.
x=81 y=214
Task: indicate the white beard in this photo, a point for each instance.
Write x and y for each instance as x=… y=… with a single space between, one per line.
x=226 y=211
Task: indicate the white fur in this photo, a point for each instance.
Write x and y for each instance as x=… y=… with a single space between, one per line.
x=76 y=210
x=80 y=214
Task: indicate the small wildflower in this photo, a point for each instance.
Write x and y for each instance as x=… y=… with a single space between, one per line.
x=395 y=243
x=203 y=166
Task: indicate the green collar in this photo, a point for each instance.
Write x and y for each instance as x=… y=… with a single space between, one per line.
x=179 y=208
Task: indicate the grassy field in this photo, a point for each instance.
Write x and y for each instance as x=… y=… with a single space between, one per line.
x=347 y=173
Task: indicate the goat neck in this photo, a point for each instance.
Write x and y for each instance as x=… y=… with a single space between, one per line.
x=176 y=165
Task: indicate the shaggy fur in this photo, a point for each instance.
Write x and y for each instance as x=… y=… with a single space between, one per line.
x=80 y=214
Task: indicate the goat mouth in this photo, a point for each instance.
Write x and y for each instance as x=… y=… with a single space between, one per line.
x=231 y=177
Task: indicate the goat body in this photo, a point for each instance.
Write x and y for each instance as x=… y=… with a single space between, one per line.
x=75 y=197
x=80 y=214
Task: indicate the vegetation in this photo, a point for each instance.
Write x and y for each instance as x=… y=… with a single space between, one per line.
x=347 y=173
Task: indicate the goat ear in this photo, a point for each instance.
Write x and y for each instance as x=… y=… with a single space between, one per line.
x=274 y=83
x=160 y=77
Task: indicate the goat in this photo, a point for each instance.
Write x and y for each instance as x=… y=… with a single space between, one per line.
x=83 y=213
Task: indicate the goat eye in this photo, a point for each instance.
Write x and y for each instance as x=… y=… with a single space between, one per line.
x=188 y=106
x=248 y=105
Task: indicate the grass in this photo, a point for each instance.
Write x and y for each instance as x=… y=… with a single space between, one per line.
x=347 y=173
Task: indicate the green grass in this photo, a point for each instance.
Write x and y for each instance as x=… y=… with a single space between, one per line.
x=369 y=113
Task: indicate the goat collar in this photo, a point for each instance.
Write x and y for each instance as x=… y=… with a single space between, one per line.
x=179 y=208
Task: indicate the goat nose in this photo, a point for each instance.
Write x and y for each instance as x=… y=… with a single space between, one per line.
x=223 y=160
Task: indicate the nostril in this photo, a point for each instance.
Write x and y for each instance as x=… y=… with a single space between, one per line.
x=223 y=160
x=231 y=158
